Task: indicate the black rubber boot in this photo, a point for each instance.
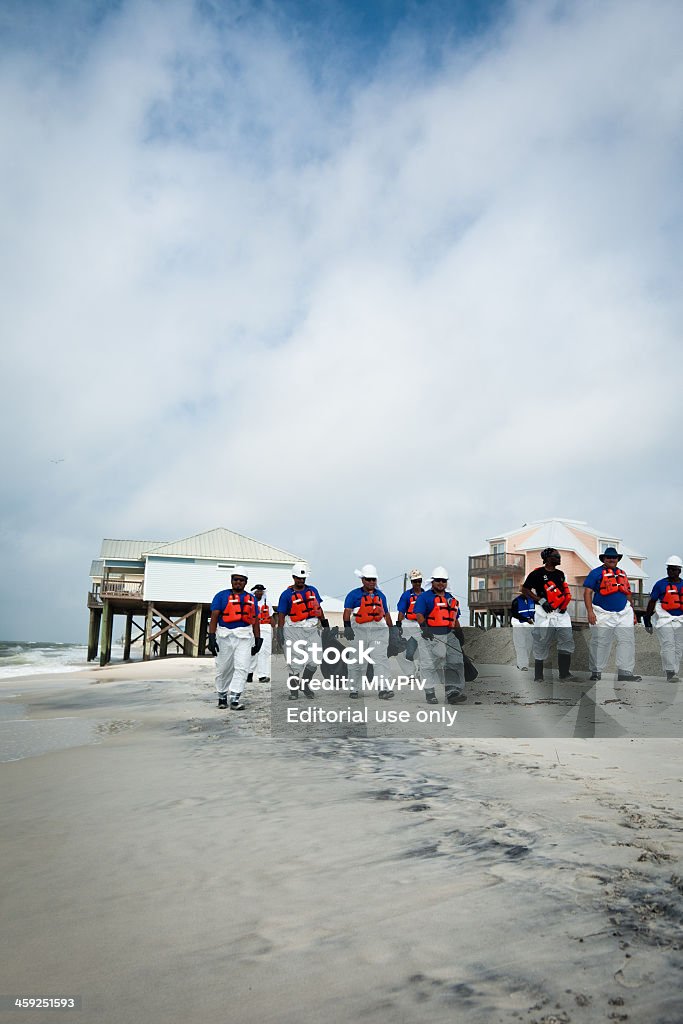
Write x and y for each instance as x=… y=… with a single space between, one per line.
x=430 y=696
x=538 y=671
x=293 y=689
x=564 y=660
x=250 y=677
x=307 y=675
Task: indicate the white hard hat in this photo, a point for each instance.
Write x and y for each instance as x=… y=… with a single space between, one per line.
x=369 y=571
x=440 y=573
x=674 y=560
x=300 y=569
x=239 y=570
x=415 y=574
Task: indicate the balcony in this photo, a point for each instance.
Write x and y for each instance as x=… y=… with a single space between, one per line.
x=504 y=561
x=126 y=590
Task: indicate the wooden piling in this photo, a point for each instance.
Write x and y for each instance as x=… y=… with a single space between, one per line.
x=127 y=636
x=149 y=629
x=94 y=632
x=106 y=633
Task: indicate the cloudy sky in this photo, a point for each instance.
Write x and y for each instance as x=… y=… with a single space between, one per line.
x=369 y=282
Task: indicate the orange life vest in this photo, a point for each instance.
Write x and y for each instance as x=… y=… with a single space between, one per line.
x=264 y=614
x=240 y=608
x=614 y=581
x=558 y=597
x=304 y=605
x=444 y=612
x=371 y=608
x=672 y=599
x=410 y=614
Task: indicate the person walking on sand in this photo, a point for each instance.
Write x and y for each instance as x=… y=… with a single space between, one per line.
x=607 y=596
x=440 y=642
x=366 y=618
x=549 y=590
x=666 y=597
x=407 y=620
x=299 y=614
x=234 y=638
x=260 y=663
x=522 y=611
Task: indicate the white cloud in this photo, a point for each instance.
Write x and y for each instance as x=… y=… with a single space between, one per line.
x=379 y=320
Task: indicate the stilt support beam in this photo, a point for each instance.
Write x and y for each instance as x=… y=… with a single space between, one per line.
x=107 y=629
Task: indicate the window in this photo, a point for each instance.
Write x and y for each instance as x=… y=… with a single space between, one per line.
x=602 y=544
x=498 y=547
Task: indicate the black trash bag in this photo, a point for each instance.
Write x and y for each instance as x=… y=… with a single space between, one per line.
x=396 y=642
x=330 y=642
x=471 y=671
x=411 y=648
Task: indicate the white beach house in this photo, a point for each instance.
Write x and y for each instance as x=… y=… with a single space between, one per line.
x=169 y=586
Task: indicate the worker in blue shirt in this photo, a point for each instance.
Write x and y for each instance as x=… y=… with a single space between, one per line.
x=367 y=620
x=441 y=637
x=607 y=596
x=522 y=611
x=407 y=620
x=299 y=615
x=666 y=597
x=234 y=637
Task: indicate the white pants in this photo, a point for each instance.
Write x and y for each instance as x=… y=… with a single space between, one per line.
x=670 y=635
x=523 y=639
x=309 y=635
x=375 y=637
x=442 y=662
x=233 y=658
x=548 y=625
x=260 y=663
x=612 y=626
x=410 y=628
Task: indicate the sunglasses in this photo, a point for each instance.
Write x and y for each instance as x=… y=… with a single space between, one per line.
x=438 y=579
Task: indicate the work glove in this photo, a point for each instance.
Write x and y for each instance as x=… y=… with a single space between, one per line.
x=547 y=607
x=426 y=633
x=394 y=645
x=647 y=622
x=280 y=637
x=324 y=623
x=258 y=644
x=349 y=633
x=212 y=645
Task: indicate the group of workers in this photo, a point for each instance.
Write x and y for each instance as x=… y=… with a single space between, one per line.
x=427 y=636
x=427 y=633
x=544 y=601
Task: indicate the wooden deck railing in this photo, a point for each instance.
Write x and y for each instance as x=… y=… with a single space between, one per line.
x=504 y=561
x=120 y=588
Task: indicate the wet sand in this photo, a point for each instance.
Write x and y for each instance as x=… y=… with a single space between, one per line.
x=177 y=863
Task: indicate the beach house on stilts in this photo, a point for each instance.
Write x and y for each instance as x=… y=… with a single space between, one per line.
x=163 y=590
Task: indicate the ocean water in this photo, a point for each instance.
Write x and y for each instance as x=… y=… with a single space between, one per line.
x=23 y=658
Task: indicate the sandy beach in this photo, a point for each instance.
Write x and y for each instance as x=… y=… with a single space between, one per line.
x=166 y=861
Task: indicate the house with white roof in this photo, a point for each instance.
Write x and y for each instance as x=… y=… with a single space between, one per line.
x=169 y=585
x=495 y=575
